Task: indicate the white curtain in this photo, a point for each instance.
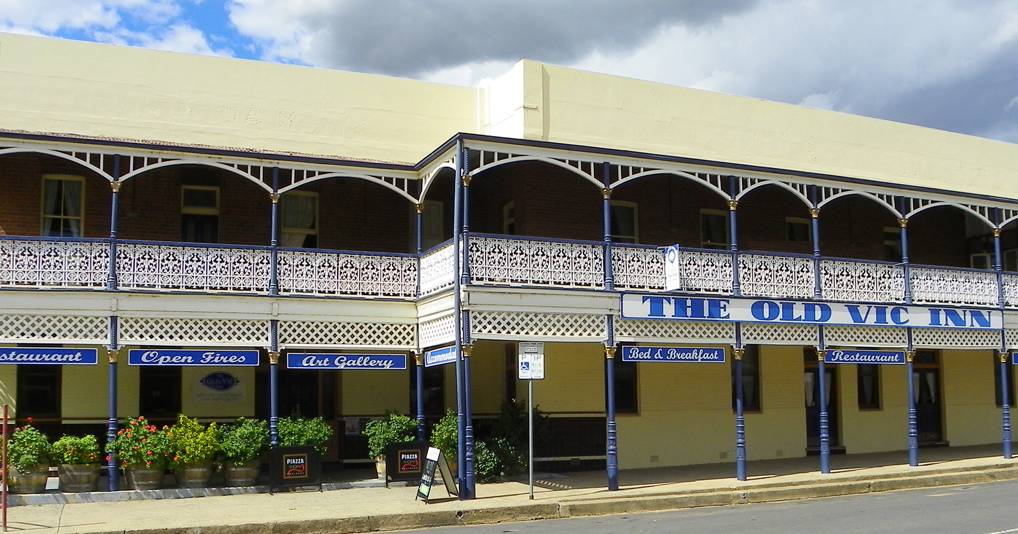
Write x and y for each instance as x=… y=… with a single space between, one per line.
x=808 y=376
x=72 y=208
x=298 y=214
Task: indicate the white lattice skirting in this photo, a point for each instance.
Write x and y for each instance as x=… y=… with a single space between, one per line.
x=439 y=331
x=193 y=332
x=528 y=326
x=68 y=329
x=674 y=331
x=1011 y=338
x=954 y=338
x=865 y=336
x=337 y=334
x=779 y=334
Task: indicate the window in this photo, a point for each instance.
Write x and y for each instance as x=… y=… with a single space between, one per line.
x=996 y=381
x=298 y=212
x=892 y=243
x=627 y=392
x=981 y=260
x=38 y=394
x=63 y=203
x=714 y=229
x=199 y=214
x=159 y=392
x=509 y=218
x=1011 y=259
x=624 y=222
x=434 y=390
x=750 y=379
x=798 y=230
x=868 y=378
x=434 y=223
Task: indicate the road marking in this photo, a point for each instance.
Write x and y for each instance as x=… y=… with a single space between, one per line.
x=1004 y=531
x=941 y=494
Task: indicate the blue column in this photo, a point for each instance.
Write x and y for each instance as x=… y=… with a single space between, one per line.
x=420 y=397
x=606 y=209
x=1005 y=406
x=111 y=276
x=913 y=432
x=814 y=214
x=612 y=452
x=112 y=470
x=733 y=230
x=468 y=441
x=465 y=234
x=457 y=213
x=740 y=418
x=274 y=383
x=903 y=223
x=825 y=428
x=274 y=232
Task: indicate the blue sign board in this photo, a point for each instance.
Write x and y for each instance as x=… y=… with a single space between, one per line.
x=434 y=358
x=673 y=354
x=47 y=356
x=193 y=358
x=348 y=362
x=872 y=357
x=220 y=381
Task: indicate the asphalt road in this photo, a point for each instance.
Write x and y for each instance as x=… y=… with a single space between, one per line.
x=980 y=509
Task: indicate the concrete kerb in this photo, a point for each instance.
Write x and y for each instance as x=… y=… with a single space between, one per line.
x=833 y=487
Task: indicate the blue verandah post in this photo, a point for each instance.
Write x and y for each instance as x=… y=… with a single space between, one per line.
x=913 y=431
x=612 y=448
x=606 y=209
x=112 y=469
x=733 y=204
x=825 y=430
x=740 y=417
x=903 y=224
x=419 y=360
x=1005 y=404
x=457 y=213
x=814 y=214
x=274 y=383
x=468 y=412
x=274 y=233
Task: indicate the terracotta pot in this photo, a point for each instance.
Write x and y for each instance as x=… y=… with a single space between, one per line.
x=244 y=475
x=145 y=478
x=380 y=466
x=194 y=476
x=78 y=477
x=31 y=481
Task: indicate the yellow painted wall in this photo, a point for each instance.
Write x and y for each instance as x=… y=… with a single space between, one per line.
x=574 y=380
x=83 y=389
x=779 y=429
x=971 y=415
x=196 y=401
x=372 y=393
x=9 y=387
x=487 y=370
x=880 y=430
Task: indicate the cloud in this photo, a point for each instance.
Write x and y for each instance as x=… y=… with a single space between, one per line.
x=178 y=37
x=52 y=16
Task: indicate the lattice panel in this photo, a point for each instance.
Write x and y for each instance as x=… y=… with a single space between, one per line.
x=865 y=336
x=438 y=331
x=347 y=334
x=1011 y=338
x=54 y=329
x=674 y=331
x=193 y=332
x=537 y=326
x=955 y=338
x=779 y=334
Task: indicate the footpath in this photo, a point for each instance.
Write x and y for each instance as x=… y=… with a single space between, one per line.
x=367 y=509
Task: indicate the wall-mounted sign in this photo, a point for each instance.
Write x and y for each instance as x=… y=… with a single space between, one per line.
x=673 y=354
x=531 y=360
x=434 y=358
x=219 y=387
x=678 y=308
x=193 y=358
x=878 y=357
x=348 y=362
x=47 y=356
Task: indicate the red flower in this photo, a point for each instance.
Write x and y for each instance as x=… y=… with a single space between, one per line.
x=149 y=453
x=28 y=420
x=109 y=458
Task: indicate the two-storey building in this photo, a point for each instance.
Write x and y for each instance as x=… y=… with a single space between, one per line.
x=859 y=277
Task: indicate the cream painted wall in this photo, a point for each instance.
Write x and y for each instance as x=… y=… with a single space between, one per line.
x=880 y=430
x=195 y=399
x=487 y=371
x=779 y=429
x=372 y=393
x=9 y=387
x=83 y=389
x=971 y=415
x=574 y=380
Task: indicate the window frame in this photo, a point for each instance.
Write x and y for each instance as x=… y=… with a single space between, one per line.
x=895 y=243
x=878 y=385
x=619 y=238
x=758 y=397
x=179 y=378
x=200 y=210
x=21 y=410
x=789 y=221
x=704 y=243
x=42 y=203
x=283 y=230
x=509 y=218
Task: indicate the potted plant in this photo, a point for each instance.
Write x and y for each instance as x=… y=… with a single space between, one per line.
x=298 y=432
x=77 y=460
x=29 y=456
x=142 y=449
x=445 y=436
x=244 y=442
x=194 y=446
x=395 y=428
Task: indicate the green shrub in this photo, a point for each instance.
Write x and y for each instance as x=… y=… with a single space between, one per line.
x=444 y=435
x=395 y=428
x=298 y=432
x=140 y=444
x=75 y=450
x=245 y=441
x=487 y=466
x=28 y=449
x=191 y=443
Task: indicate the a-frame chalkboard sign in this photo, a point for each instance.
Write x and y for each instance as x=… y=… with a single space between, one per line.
x=435 y=461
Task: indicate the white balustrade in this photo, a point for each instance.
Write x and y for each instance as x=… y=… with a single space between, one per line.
x=860 y=281
x=705 y=271
x=437 y=269
x=1010 y=283
x=51 y=263
x=962 y=287
x=347 y=274
x=775 y=276
x=511 y=261
x=638 y=268
x=172 y=267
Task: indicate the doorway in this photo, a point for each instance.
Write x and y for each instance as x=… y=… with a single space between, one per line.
x=811 y=387
x=927 y=394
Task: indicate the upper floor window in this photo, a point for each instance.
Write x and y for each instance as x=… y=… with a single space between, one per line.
x=63 y=203
x=299 y=214
x=624 y=222
x=714 y=229
x=509 y=218
x=199 y=214
x=798 y=230
x=892 y=243
x=984 y=260
x=434 y=223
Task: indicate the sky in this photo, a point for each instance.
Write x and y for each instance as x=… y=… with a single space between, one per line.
x=948 y=64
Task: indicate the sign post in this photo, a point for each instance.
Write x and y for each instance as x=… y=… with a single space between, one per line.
x=531 y=367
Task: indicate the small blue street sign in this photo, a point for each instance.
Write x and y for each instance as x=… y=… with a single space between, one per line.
x=442 y=356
